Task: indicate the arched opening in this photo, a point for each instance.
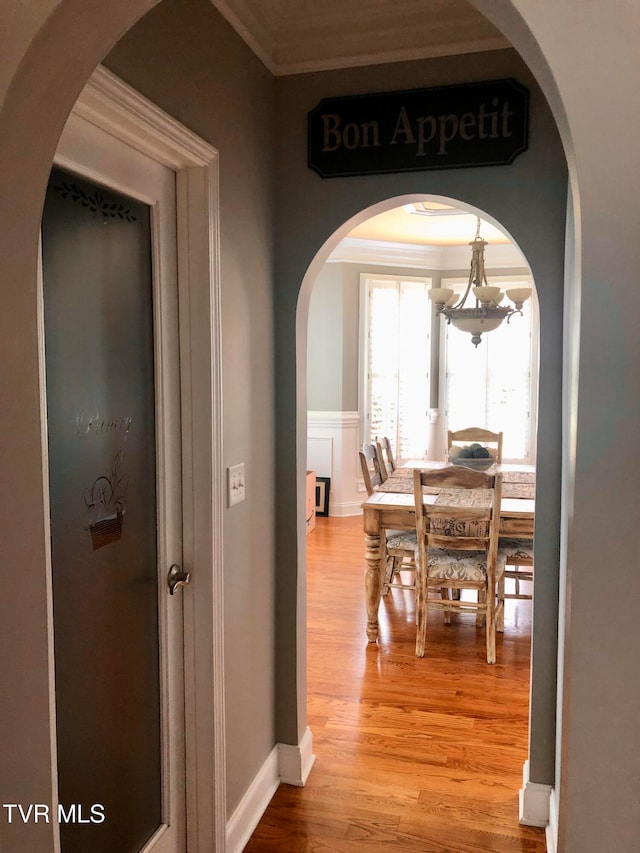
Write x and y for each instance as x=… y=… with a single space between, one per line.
x=479 y=192
x=335 y=383
x=431 y=250
x=35 y=110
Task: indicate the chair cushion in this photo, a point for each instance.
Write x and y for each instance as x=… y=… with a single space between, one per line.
x=405 y=540
x=450 y=564
x=515 y=549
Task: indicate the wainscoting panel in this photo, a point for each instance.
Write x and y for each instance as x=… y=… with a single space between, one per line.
x=320 y=454
x=332 y=451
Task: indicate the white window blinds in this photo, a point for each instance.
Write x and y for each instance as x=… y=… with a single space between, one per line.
x=493 y=385
x=396 y=357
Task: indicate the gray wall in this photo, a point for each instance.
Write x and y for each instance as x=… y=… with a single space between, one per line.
x=333 y=334
x=333 y=343
x=529 y=198
x=186 y=58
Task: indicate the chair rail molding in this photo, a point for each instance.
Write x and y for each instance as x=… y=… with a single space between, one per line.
x=332 y=451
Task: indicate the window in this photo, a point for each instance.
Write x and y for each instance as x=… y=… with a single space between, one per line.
x=494 y=385
x=395 y=351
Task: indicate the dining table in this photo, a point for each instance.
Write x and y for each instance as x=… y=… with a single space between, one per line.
x=392 y=507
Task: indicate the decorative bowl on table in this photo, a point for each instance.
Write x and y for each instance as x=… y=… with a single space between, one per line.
x=472 y=456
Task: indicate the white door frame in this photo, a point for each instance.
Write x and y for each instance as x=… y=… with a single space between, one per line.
x=114 y=107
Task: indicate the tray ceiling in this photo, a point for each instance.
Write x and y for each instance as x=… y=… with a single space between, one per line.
x=294 y=36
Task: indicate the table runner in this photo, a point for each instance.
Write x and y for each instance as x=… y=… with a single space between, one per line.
x=528 y=477
x=403 y=484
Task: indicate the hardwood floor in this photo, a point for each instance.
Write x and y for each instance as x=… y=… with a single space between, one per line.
x=411 y=754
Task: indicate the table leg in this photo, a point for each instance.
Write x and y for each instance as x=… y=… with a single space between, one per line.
x=374 y=554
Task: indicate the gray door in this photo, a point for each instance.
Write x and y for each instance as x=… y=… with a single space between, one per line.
x=99 y=350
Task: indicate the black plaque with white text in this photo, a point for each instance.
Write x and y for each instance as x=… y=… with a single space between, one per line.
x=446 y=127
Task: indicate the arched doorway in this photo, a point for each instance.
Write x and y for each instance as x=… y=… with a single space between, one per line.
x=35 y=111
x=339 y=391
x=309 y=279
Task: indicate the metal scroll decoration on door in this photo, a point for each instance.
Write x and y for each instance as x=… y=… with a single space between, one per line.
x=105 y=501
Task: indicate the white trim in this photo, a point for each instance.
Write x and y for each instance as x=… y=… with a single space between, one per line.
x=110 y=104
x=113 y=106
x=332 y=451
x=295 y=762
x=380 y=58
x=332 y=419
x=533 y=800
x=46 y=501
x=271 y=33
x=357 y=250
x=253 y=805
x=551 y=832
x=349 y=508
x=255 y=33
x=285 y=764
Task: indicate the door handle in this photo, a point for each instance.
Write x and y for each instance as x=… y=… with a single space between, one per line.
x=177 y=577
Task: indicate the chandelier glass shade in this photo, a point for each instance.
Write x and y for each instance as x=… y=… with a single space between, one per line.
x=487 y=313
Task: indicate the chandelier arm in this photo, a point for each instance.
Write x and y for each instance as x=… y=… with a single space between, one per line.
x=460 y=304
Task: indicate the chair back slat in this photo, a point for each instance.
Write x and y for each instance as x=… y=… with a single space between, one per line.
x=385 y=453
x=371 y=469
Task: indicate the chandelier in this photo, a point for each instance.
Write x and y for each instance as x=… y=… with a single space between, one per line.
x=487 y=313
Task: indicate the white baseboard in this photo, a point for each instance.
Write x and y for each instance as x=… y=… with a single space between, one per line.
x=534 y=800
x=285 y=764
x=551 y=831
x=347 y=509
x=295 y=762
x=253 y=805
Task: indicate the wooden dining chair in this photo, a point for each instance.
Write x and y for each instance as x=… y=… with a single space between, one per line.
x=518 y=556
x=385 y=455
x=491 y=440
x=458 y=549
x=371 y=468
x=400 y=544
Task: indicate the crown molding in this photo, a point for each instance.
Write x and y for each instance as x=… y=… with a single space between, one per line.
x=253 y=29
x=290 y=37
x=355 y=250
x=401 y=54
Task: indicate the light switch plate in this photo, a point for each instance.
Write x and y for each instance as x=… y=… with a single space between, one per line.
x=235 y=484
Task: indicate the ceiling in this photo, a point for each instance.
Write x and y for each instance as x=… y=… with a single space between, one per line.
x=405 y=225
x=294 y=36
x=438 y=240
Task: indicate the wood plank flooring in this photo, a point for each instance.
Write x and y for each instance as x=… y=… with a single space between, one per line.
x=411 y=755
